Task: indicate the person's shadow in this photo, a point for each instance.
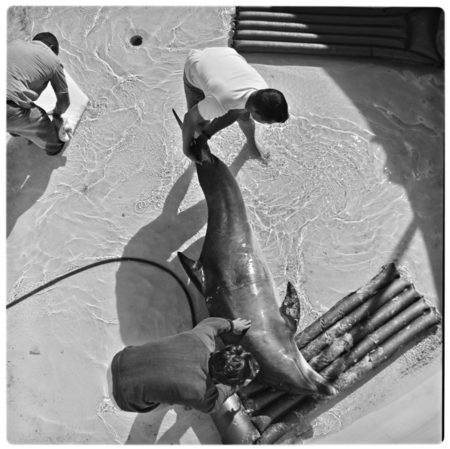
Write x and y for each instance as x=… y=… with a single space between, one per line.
x=414 y=148
x=28 y=171
x=146 y=427
x=150 y=303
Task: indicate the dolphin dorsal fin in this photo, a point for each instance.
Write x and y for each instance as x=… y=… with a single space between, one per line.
x=193 y=270
x=290 y=309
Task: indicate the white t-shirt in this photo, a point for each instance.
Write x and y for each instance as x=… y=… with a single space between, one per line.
x=224 y=76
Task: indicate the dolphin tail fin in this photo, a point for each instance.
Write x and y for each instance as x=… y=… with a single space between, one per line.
x=193 y=270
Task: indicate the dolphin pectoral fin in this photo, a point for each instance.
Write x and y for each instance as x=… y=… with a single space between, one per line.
x=193 y=270
x=290 y=309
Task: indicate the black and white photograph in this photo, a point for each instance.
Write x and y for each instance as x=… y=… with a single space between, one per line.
x=225 y=224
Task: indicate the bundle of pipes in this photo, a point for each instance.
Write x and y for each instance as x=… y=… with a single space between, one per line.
x=361 y=333
x=401 y=34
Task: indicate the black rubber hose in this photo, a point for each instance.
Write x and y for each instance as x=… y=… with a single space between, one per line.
x=103 y=262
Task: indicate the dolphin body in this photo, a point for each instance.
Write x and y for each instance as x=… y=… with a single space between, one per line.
x=233 y=276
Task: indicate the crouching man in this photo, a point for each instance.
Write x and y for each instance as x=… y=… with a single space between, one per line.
x=184 y=369
x=31 y=65
x=222 y=88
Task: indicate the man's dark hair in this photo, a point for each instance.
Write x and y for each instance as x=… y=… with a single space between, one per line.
x=48 y=39
x=271 y=105
x=232 y=365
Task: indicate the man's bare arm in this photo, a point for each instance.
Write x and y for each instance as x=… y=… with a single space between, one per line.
x=223 y=122
x=62 y=104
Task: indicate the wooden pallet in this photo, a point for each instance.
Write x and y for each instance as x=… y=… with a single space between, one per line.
x=363 y=332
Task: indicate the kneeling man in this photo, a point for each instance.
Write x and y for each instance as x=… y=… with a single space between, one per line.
x=184 y=369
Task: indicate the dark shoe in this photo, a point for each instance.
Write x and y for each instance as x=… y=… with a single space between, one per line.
x=54 y=153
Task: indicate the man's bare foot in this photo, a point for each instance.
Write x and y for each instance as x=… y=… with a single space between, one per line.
x=255 y=152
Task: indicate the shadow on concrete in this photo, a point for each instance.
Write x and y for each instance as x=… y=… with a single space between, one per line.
x=150 y=303
x=146 y=427
x=414 y=151
x=28 y=173
x=309 y=431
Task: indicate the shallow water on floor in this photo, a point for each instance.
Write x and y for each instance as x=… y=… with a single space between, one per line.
x=345 y=188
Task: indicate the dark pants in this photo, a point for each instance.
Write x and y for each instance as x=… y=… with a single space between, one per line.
x=193 y=94
x=116 y=395
x=34 y=124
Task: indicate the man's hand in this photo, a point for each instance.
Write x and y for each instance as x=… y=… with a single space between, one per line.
x=194 y=153
x=201 y=141
x=63 y=128
x=199 y=151
x=240 y=326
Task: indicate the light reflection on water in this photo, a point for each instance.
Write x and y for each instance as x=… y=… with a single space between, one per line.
x=321 y=206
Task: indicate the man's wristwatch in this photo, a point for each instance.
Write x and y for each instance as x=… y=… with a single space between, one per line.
x=232 y=325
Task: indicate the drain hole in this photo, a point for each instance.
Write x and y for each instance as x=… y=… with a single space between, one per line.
x=136 y=41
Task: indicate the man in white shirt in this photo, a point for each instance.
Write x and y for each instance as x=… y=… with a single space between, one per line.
x=221 y=87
